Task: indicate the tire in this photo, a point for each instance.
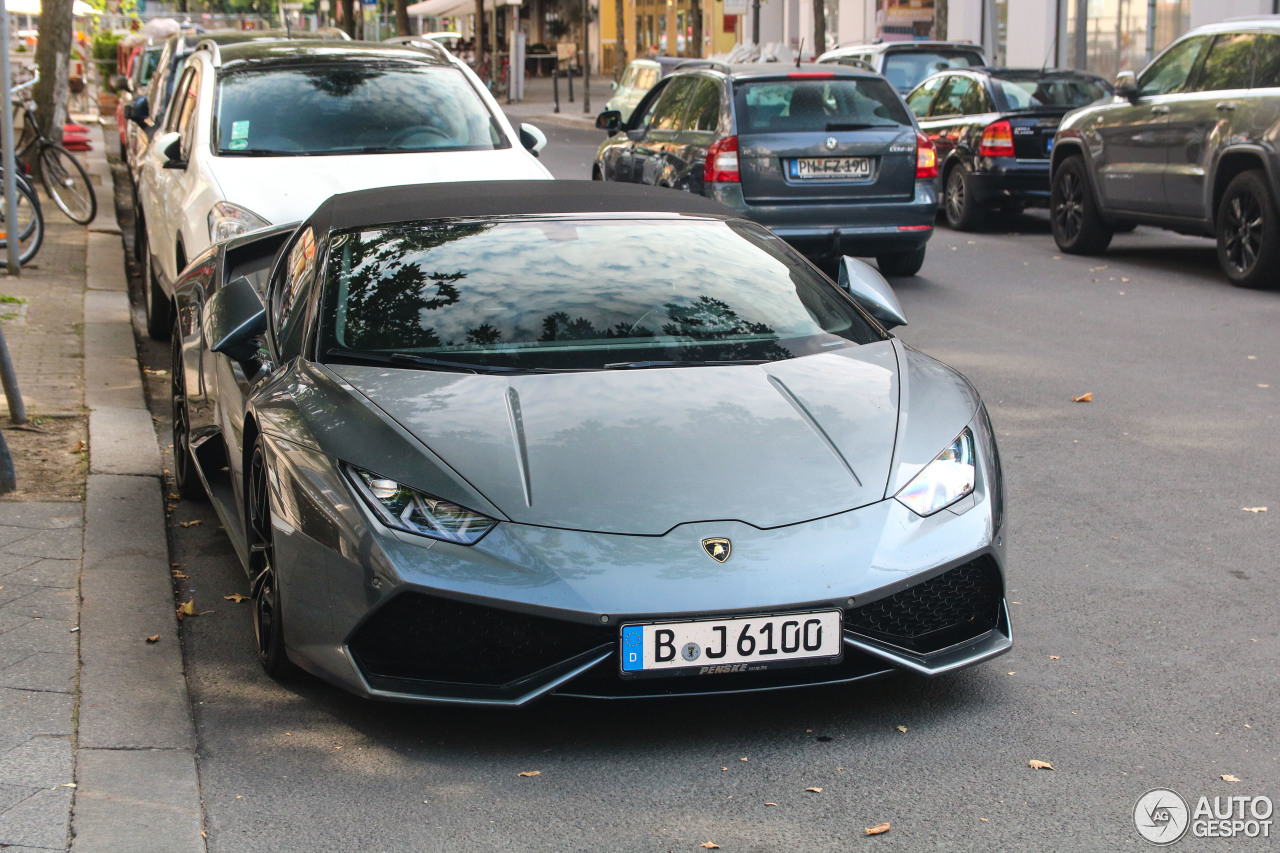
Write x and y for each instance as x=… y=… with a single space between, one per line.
x=67 y=183
x=1248 y=231
x=1078 y=228
x=159 y=323
x=958 y=204
x=30 y=226
x=901 y=264
x=264 y=588
x=185 y=477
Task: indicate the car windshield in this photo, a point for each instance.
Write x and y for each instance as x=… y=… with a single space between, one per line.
x=1029 y=93
x=351 y=108
x=817 y=104
x=904 y=69
x=565 y=293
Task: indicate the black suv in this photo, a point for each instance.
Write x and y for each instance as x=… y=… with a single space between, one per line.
x=1190 y=144
x=827 y=157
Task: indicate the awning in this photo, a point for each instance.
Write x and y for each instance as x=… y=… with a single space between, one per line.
x=32 y=7
x=447 y=8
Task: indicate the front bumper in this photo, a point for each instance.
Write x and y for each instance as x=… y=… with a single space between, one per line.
x=529 y=612
x=825 y=230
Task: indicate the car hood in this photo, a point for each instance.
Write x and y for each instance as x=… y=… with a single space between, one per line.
x=287 y=189
x=642 y=451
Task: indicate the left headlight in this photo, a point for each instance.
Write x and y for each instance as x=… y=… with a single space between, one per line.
x=226 y=220
x=404 y=508
x=945 y=480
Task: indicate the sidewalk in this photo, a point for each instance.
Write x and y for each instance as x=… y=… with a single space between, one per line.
x=539 y=101
x=97 y=747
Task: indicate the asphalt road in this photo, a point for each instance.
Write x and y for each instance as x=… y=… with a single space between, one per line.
x=1144 y=615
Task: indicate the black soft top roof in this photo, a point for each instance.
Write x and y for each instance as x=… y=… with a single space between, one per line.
x=481 y=199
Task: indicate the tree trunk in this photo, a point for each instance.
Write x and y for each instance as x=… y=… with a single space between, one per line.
x=695 y=12
x=479 y=35
x=348 y=21
x=819 y=28
x=402 y=18
x=53 y=53
x=940 y=20
x=620 y=49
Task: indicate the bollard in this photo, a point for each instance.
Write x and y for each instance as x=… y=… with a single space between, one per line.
x=569 y=74
x=555 y=88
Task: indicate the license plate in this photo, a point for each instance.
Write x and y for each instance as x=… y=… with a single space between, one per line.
x=738 y=644
x=831 y=168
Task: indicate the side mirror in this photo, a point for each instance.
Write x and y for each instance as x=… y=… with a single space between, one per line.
x=137 y=110
x=532 y=138
x=170 y=145
x=613 y=85
x=120 y=83
x=610 y=121
x=869 y=289
x=234 y=318
x=1127 y=86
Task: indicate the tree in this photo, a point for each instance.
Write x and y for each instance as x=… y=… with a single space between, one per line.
x=819 y=27
x=53 y=53
x=940 y=20
x=620 y=51
x=402 y=18
x=348 y=17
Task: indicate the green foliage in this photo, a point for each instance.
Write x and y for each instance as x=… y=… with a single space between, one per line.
x=103 y=47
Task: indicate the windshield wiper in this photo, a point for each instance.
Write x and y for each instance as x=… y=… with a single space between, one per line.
x=261 y=152
x=409 y=358
x=640 y=365
x=835 y=125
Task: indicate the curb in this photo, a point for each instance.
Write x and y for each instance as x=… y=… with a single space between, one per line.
x=138 y=785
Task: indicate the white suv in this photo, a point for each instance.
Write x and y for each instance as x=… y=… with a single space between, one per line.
x=262 y=133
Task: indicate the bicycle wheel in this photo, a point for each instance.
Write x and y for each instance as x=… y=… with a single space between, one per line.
x=30 y=226
x=67 y=183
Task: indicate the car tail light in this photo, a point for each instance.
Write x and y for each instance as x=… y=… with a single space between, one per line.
x=997 y=140
x=722 y=161
x=926 y=158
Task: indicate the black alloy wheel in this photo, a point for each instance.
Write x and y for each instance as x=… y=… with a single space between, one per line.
x=1249 y=232
x=264 y=588
x=958 y=204
x=1078 y=228
x=184 y=476
x=901 y=264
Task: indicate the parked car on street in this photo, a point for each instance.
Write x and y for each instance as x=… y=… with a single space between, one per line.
x=905 y=63
x=142 y=64
x=1190 y=144
x=261 y=133
x=993 y=128
x=639 y=77
x=486 y=444
x=828 y=157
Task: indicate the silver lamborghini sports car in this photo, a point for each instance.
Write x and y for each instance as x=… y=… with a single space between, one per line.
x=489 y=442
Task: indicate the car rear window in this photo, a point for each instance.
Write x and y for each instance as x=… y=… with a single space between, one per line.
x=1056 y=91
x=350 y=108
x=905 y=69
x=567 y=293
x=798 y=104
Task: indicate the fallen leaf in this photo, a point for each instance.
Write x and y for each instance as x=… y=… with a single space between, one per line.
x=1254 y=508
x=154 y=638
x=814 y=790
x=984 y=820
x=179 y=575
x=710 y=845
x=724 y=768
x=79 y=447
x=1227 y=777
x=530 y=773
x=878 y=829
x=236 y=597
x=174 y=496
x=1040 y=765
x=1054 y=657
x=902 y=728
x=187 y=609
x=1014 y=672
x=195 y=523
x=742 y=759
x=770 y=804
x=1086 y=397
x=67 y=785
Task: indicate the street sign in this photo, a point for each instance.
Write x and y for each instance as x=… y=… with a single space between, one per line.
x=735 y=7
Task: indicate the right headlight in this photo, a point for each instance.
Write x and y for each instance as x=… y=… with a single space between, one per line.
x=226 y=220
x=945 y=480
x=404 y=508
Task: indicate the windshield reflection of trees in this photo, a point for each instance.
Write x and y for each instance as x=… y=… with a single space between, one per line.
x=390 y=298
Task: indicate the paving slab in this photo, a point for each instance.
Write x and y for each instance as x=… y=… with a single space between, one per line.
x=123 y=441
x=105 y=260
x=137 y=802
x=111 y=375
x=40 y=821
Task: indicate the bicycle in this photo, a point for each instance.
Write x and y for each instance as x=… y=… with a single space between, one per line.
x=30 y=223
x=64 y=179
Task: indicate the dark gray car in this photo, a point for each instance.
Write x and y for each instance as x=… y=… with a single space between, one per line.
x=827 y=157
x=1189 y=144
